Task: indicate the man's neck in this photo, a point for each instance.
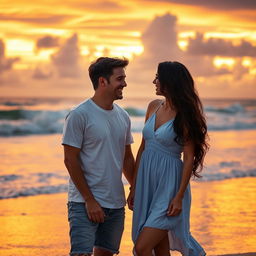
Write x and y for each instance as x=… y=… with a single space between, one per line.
x=103 y=102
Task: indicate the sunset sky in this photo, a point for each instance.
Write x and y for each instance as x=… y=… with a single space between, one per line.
x=46 y=46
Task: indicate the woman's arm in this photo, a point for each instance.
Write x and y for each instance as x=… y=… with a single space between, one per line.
x=175 y=206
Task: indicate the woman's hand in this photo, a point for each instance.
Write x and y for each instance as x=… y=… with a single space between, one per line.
x=175 y=206
x=130 y=199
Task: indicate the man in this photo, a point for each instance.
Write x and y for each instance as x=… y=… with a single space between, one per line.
x=97 y=149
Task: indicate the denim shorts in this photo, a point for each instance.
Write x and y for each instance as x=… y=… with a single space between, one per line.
x=85 y=234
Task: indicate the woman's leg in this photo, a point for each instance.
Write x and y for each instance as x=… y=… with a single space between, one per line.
x=163 y=248
x=148 y=239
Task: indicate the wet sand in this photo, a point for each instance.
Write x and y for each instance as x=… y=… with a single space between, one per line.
x=222 y=220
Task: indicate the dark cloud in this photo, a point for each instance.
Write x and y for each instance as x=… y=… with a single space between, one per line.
x=160 y=44
x=5 y=63
x=219 y=5
x=41 y=75
x=67 y=59
x=215 y=46
x=47 y=42
x=159 y=41
x=160 y=38
x=239 y=70
x=202 y=66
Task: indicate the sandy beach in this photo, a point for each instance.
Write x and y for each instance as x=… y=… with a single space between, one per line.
x=222 y=219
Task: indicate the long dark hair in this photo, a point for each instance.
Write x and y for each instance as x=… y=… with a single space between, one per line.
x=177 y=84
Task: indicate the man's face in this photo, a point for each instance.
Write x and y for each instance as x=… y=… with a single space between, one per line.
x=117 y=83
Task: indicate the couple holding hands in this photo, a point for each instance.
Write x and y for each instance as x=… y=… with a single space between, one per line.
x=97 y=150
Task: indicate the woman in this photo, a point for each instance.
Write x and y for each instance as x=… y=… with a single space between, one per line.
x=162 y=196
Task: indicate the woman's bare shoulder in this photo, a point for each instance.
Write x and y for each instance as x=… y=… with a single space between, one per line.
x=154 y=104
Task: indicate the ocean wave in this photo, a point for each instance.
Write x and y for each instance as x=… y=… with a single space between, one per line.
x=234 y=173
x=46 y=124
x=19 y=121
x=18 y=186
x=32 y=115
x=231 y=109
x=13 y=185
x=32 y=191
x=19 y=103
x=135 y=112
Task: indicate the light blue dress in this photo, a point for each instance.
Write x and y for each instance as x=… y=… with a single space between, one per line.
x=158 y=181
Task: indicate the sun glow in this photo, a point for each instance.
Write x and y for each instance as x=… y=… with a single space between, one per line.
x=220 y=62
x=253 y=71
x=20 y=47
x=44 y=55
x=183 y=44
x=246 y=62
x=241 y=35
x=187 y=34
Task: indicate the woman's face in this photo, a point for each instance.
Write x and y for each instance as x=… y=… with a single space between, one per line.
x=158 y=86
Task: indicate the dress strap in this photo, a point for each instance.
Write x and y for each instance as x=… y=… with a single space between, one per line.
x=153 y=113
x=158 y=107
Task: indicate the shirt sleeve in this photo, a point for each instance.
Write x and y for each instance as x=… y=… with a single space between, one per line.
x=129 y=138
x=73 y=131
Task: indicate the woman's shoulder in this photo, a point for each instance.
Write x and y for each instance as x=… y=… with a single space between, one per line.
x=152 y=107
x=154 y=104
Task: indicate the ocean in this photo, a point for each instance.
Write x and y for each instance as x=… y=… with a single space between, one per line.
x=32 y=157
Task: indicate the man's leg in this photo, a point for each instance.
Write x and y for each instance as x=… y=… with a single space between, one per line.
x=109 y=233
x=82 y=230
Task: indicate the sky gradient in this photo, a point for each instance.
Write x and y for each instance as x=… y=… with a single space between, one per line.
x=46 y=46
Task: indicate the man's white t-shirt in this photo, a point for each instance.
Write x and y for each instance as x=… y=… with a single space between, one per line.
x=102 y=136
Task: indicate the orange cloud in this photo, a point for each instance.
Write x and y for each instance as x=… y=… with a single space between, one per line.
x=5 y=63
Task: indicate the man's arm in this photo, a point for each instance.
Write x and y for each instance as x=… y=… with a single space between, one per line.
x=128 y=167
x=72 y=163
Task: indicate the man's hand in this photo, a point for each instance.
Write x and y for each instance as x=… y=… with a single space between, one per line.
x=94 y=211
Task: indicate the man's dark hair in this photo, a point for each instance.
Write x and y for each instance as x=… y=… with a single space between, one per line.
x=103 y=67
